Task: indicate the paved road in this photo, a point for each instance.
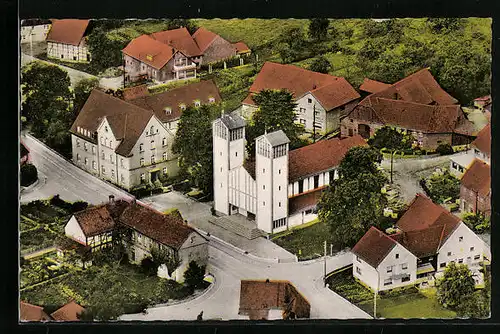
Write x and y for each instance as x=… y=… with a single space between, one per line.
x=59 y=176
x=230 y=266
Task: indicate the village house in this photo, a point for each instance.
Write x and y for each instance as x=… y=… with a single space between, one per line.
x=322 y=99
x=66 y=40
x=68 y=312
x=483 y=102
x=168 y=105
x=475 y=189
x=416 y=105
x=175 y=55
x=121 y=142
x=34 y=30
x=148 y=228
x=427 y=238
x=480 y=149
x=272 y=300
x=280 y=188
x=29 y=312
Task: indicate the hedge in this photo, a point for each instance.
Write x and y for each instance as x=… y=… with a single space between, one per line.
x=29 y=175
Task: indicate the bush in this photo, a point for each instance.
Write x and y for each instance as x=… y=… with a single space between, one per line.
x=149 y=267
x=444 y=149
x=477 y=222
x=56 y=201
x=79 y=206
x=194 y=275
x=29 y=175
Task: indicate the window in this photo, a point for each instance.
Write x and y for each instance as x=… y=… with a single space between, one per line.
x=449 y=253
x=164 y=156
x=143 y=177
x=141 y=147
x=168 y=110
x=316 y=181
x=153 y=159
x=358 y=270
x=94 y=166
x=471 y=249
x=477 y=257
x=121 y=162
x=279 y=204
x=358 y=259
x=103 y=155
x=351 y=132
x=77 y=142
x=85 y=147
x=141 y=162
x=442 y=265
x=62 y=56
x=164 y=142
x=302 y=121
x=279 y=171
x=86 y=161
x=165 y=171
x=211 y=99
x=279 y=223
x=302 y=110
x=397 y=256
x=301 y=186
x=309 y=100
x=264 y=203
x=197 y=103
x=106 y=142
x=263 y=170
x=388 y=281
x=152 y=130
x=404 y=266
x=460 y=239
x=279 y=187
x=78 y=157
x=111 y=158
x=263 y=187
x=182 y=106
x=454 y=165
x=153 y=145
x=103 y=170
x=122 y=179
x=93 y=149
x=405 y=278
x=112 y=173
x=460 y=260
x=236 y=154
x=389 y=269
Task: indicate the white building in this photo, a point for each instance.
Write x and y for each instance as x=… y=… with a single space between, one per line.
x=480 y=149
x=34 y=30
x=427 y=240
x=280 y=188
x=121 y=142
x=66 y=40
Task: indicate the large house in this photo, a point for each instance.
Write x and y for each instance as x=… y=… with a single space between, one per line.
x=121 y=142
x=34 y=30
x=427 y=239
x=475 y=189
x=280 y=188
x=480 y=149
x=175 y=54
x=416 y=104
x=66 y=40
x=322 y=99
x=97 y=226
x=168 y=105
x=272 y=300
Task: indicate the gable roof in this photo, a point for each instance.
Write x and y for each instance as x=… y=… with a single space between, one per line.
x=180 y=39
x=300 y=81
x=241 y=47
x=68 y=312
x=67 y=31
x=99 y=219
x=204 y=38
x=320 y=156
x=233 y=121
x=478 y=178
x=374 y=246
x=422 y=213
x=173 y=98
x=149 y=51
x=373 y=86
x=127 y=121
x=169 y=230
x=483 y=140
x=135 y=92
x=277 y=138
x=30 y=312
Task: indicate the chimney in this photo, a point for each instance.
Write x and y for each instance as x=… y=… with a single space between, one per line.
x=314 y=86
x=111 y=198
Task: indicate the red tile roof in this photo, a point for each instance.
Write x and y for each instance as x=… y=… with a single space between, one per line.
x=422 y=213
x=241 y=47
x=135 y=92
x=483 y=140
x=149 y=51
x=204 y=38
x=201 y=91
x=68 y=312
x=478 y=178
x=483 y=98
x=67 y=31
x=100 y=219
x=29 y=312
x=374 y=246
x=331 y=90
x=180 y=39
x=373 y=86
x=320 y=156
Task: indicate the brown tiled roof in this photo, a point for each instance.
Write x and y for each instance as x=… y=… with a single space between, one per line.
x=373 y=86
x=426 y=242
x=204 y=38
x=180 y=39
x=320 y=156
x=29 y=312
x=68 y=312
x=187 y=94
x=423 y=213
x=67 y=31
x=241 y=47
x=169 y=230
x=304 y=201
x=248 y=100
x=483 y=140
x=135 y=92
x=478 y=178
x=415 y=116
x=101 y=218
x=299 y=81
x=149 y=51
x=419 y=87
x=374 y=246
x=127 y=120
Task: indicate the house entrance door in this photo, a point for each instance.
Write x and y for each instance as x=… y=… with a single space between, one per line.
x=154 y=176
x=364 y=131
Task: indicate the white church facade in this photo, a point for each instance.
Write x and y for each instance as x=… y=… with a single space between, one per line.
x=280 y=188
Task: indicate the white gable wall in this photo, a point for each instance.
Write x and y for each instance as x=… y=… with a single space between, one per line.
x=74 y=231
x=364 y=272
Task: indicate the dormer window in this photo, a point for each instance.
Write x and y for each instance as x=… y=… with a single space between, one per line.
x=182 y=106
x=211 y=99
x=168 y=110
x=197 y=103
x=149 y=57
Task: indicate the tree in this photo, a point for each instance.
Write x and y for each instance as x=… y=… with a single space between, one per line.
x=456 y=284
x=149 y=267
x=82 y=90
x=475 y=305
x=276 y=112
x=178 y=23
x=193 y=144
x=444 y=149
x=479 y=223
x=318 y=29
x=443 y=186
x=291 y=44
x=105 y=52
x=360 y=160
x=29 y=174
x=320 y=64
x=193 y=276
x=446 y=25
x=163 y=256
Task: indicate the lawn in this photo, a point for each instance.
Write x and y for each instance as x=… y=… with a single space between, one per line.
x=306 y=243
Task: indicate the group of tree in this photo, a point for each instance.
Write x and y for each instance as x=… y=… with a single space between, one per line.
x=478 y=222
x=51 y=105
x=354 y=202
x=29 y=174
x=442 y=187
x=456 y=290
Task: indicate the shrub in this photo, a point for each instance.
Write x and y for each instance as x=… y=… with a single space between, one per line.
x=79 y=206
x=57 y=201
x=477 y=222
x=149 y=267
x=29 y=175
x=444 y=149
x=194 y=275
